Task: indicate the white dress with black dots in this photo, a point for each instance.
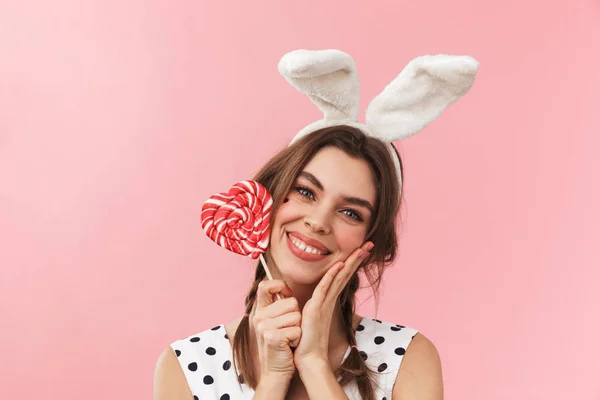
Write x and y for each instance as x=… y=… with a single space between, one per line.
x=206 y=360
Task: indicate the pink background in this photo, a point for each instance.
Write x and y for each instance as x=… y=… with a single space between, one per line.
x=113 y=120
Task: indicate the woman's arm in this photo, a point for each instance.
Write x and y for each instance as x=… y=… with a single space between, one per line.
x=274 y=388
x=420 y=374
x=320 y=381
x=311 y=355
x=169 y=380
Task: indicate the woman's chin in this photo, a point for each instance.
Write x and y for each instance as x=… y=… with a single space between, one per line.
x=301 y=276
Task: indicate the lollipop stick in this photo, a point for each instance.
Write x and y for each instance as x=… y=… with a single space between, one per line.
x=269 y=275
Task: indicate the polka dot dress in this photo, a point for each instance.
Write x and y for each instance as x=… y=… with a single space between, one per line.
x=206 y=360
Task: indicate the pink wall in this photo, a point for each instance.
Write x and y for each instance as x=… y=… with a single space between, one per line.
x=113 y=116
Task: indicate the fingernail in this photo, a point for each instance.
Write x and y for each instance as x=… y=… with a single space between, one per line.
x=360 y=253
x=341 y=267
x=370 y=246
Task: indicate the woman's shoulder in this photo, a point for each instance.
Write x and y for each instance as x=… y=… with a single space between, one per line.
x=169 y=379
x=383 y=344
x=420 y=374
x=194 y=352
x=384 y=330
x=202 y=336
x=377 y=334
x=184 y=356
x=390 y=346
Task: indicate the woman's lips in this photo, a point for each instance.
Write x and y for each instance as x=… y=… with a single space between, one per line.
x=303 y=255
x=314 y=243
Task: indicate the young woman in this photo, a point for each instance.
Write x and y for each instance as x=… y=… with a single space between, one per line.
x=336 y=196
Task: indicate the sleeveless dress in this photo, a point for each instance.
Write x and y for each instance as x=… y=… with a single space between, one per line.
x=206 y=359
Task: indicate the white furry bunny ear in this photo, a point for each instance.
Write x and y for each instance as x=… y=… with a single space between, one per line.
x=419 y=94
x=328 y=77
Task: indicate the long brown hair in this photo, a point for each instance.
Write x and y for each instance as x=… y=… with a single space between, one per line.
x=278 y=176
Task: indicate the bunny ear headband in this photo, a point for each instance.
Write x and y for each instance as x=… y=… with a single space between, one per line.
x=415 y=98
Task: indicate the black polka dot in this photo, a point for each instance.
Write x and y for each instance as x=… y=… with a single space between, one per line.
x=177 y=353
x=363 y=355
x=195 y=339
x=396 y=328
x=377 y=320
x=208 y=380
x=360 y=328
x=240 y=379
x=196 y=398
x=216 y=328
x=382 y=367
x=400 y=351
x=225 y=397
x=227 y=365
x=385 y=398
x=226 y=337
x=211 y=351
x=379 y=339
x=193 y=366
x=400 y=326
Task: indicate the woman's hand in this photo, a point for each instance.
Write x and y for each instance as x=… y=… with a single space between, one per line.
x=277 y=327
x=318 y=311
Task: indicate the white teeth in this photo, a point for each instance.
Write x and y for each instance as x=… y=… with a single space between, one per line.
x=302 y=246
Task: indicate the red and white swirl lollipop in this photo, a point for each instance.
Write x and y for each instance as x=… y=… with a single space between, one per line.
x=239 y=220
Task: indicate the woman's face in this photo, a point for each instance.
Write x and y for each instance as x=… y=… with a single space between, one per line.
x=329 y=209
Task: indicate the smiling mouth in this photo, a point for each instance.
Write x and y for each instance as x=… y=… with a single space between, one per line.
x=304 y=247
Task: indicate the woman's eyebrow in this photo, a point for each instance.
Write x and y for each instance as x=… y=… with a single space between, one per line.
x=348 y=199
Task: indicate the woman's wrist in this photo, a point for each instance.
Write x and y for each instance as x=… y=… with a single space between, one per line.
x=312 y=364
x=272 y=386
x=319 y=380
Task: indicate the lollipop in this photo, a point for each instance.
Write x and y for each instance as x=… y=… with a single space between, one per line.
x=239 y=220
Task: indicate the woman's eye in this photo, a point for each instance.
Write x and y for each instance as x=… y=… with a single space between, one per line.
x=305 y=192
x=309 y=194
x=354 y=215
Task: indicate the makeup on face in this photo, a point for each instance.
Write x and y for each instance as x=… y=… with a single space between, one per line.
x=361 y=212
x=303 y=250
x=325 y=215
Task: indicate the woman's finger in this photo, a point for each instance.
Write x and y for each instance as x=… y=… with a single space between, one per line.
x=283 y=321
x=322 y=288
x=350 y=266
x=278 y=308
x=268 y=288
x=290 y=335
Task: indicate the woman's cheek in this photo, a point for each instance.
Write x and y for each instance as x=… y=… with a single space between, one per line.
x=353 y=239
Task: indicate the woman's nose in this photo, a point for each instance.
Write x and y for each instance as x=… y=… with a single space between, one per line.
x=317 y=224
